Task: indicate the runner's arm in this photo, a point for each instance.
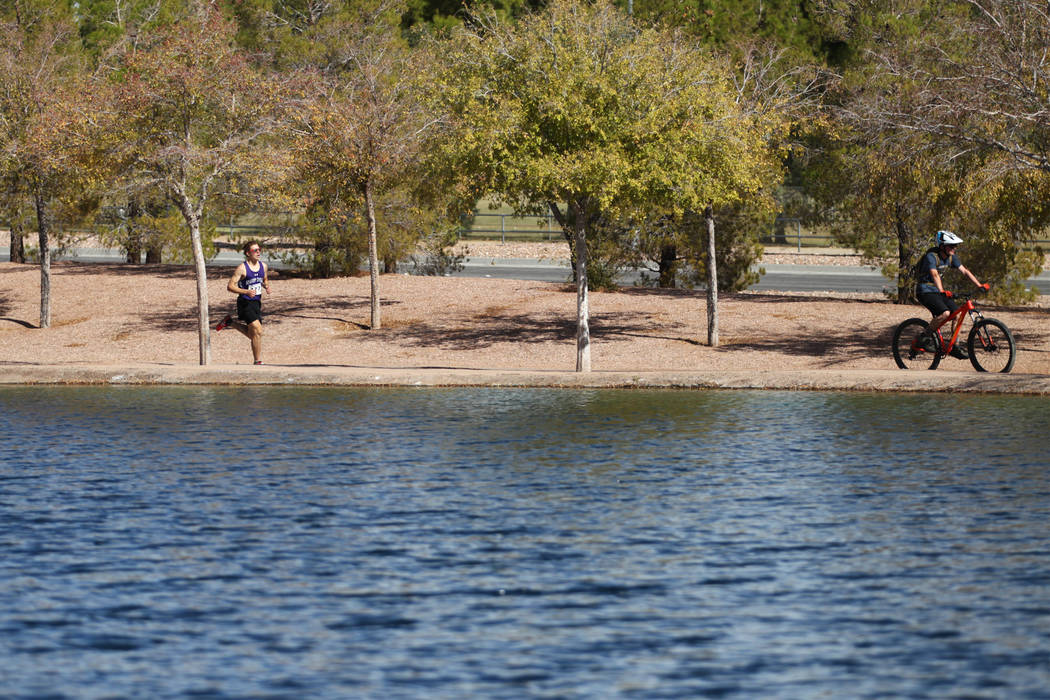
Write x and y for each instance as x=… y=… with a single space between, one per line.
x=233 y=286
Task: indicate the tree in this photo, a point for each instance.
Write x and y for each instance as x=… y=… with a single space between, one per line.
x=104 y=24
x=13 y=212
x=971 y=74
x=41 y=106
x=790 y=24
x=892 y=197
x=359 y=134
x=129 y=217
x=449 y=13
x=579 y=107
x=773 y=95
x=195 y=117
x=942 y=128
x=140 y=221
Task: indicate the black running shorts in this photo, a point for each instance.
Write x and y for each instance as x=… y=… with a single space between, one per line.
x=249 y=310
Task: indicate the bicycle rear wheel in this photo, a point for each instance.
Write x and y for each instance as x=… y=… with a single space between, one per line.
x=908 y=352
x=991 y=346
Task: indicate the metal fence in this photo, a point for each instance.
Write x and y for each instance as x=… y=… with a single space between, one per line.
x=506 y=227
x=541 y=227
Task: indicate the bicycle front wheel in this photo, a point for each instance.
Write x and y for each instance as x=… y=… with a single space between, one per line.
x=991 y=346
x=908 y=352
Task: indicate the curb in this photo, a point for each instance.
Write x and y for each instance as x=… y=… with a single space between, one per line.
x=941 y=381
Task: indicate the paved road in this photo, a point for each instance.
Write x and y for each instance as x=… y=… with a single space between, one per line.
x=798 y=278
x=787 y=278
x=820 y=278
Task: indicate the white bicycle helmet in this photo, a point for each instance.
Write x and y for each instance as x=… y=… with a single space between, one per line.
x=947 y=238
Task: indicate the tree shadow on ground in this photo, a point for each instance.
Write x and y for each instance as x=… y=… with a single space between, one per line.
x=804 y=298
x=166 y=271
x=18 y=268
x=490 y=329
x=835 y=346
x=658 y=292
x=288 y=309
x=18 y=321
x=185 y=318
x=5 y=308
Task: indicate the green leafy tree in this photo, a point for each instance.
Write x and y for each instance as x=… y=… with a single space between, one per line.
x=579 y=107
x=736 y=247
x=133 y=218
x=195 y=118
x=105 y=24
x=773 y=95
x=895 y=197
x=789 y=24
x=447 y=14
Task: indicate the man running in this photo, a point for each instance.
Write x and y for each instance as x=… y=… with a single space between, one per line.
x=930 y=287
x=248 y=282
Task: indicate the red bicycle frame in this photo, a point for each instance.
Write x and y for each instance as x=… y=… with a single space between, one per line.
x=956 y=319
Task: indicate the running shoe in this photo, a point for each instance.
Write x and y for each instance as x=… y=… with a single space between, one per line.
x=223 y=323
x=258 y=362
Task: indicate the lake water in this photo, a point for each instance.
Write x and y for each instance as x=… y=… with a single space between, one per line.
x=464 y=543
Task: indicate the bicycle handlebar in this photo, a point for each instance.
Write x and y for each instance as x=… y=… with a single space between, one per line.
x=968 y=295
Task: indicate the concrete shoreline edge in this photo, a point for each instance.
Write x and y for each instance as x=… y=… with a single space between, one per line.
x=314 y=375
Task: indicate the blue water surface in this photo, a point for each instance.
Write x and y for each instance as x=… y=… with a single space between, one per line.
x=355 y=543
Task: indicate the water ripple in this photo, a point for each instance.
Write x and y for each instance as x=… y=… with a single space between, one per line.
x=331 y=543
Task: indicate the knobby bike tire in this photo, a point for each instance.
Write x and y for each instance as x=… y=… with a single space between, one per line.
x=905 y=351
x=991 y=346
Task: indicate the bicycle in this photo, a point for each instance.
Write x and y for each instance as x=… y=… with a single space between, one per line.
x=990 y=343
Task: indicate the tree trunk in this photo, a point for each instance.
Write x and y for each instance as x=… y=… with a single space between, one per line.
x=193 y=220
x=583 y=329
x=134 y=256
x=373 y=257
x=203 y=331
x=43 y=219
x=668 y=265
x=712 y=280
x=154 y=253
x=18 y=244
x=134 y=247
x=568 y=232
x=904 y=278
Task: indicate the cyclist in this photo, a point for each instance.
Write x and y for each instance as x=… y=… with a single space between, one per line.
x=930 y=287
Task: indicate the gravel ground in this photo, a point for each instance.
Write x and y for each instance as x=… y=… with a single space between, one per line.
x=114 y=314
